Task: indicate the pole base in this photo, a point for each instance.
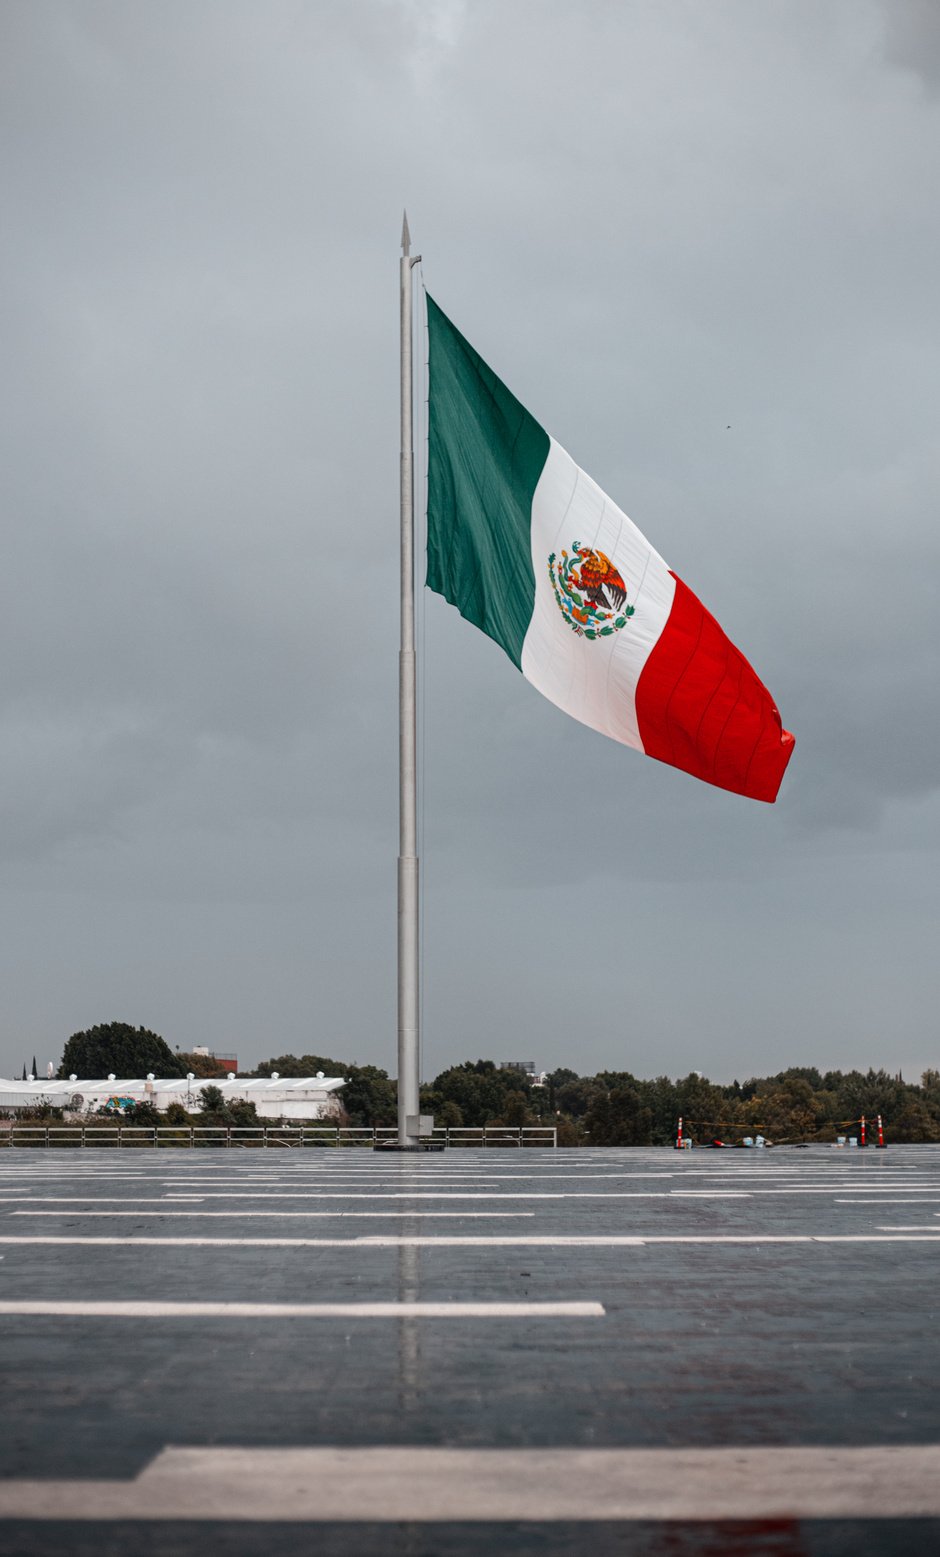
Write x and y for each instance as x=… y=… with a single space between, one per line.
x=421 y=1146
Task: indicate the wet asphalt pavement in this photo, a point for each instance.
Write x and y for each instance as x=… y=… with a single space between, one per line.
x=733 y=1299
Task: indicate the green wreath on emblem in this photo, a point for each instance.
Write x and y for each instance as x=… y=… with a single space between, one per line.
x=590 y=593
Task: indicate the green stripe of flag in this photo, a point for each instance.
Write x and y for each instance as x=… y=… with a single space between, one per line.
x=485 y=456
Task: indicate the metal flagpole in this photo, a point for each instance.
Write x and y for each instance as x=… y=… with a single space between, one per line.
x=408 y=1080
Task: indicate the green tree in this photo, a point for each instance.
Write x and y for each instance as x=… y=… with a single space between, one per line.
x=142 y=1115
x=570 y=1133
x=448 y=1115
x=219 y=1110
x=370 y=1096
x=871 y=1093
x=789 y=1111
x=553 y=1081
x=115 y=1048
x=929 y=1094
x=305 y=1065
x=516 y=1111
x=480 y=1090
x=618 y=1118
x=915 y=1122
x=176 y=1114
x=576 y=1097
x=661 y=1097
x=702 y=1106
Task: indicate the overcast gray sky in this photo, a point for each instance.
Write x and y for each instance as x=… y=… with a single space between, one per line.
x=654 y=218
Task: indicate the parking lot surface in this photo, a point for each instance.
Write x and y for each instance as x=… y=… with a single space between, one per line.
x=620 y=1351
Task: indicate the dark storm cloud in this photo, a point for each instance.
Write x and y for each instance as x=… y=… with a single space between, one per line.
x=654 y=221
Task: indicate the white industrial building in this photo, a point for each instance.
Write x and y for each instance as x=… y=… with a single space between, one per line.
x=274 y=1097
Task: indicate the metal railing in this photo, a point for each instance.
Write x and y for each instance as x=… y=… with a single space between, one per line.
x=127 y=1137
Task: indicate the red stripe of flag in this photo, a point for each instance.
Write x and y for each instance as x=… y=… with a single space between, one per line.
x=700 y=706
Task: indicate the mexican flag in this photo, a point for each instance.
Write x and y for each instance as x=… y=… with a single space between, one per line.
x=529 y=549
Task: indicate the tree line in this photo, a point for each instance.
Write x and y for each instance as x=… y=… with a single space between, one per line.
x=610 y=1108
x=616 y=1108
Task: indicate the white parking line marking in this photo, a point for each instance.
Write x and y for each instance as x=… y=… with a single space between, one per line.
x=864 y=1197
x=130 y=1240
x=357 y=1176
x=413 y=1184
x=496 y=1241
x=915 y=1227
x=370 y=1216
x=402 y=1194
x=413 y=1483
x=64 y=1308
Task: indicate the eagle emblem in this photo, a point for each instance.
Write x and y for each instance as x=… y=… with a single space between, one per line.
x=591 y=595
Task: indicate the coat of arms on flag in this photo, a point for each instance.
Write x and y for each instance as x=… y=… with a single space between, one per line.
x=590 y=593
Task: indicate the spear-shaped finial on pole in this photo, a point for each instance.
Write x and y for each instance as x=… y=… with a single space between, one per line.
x=405 y=235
